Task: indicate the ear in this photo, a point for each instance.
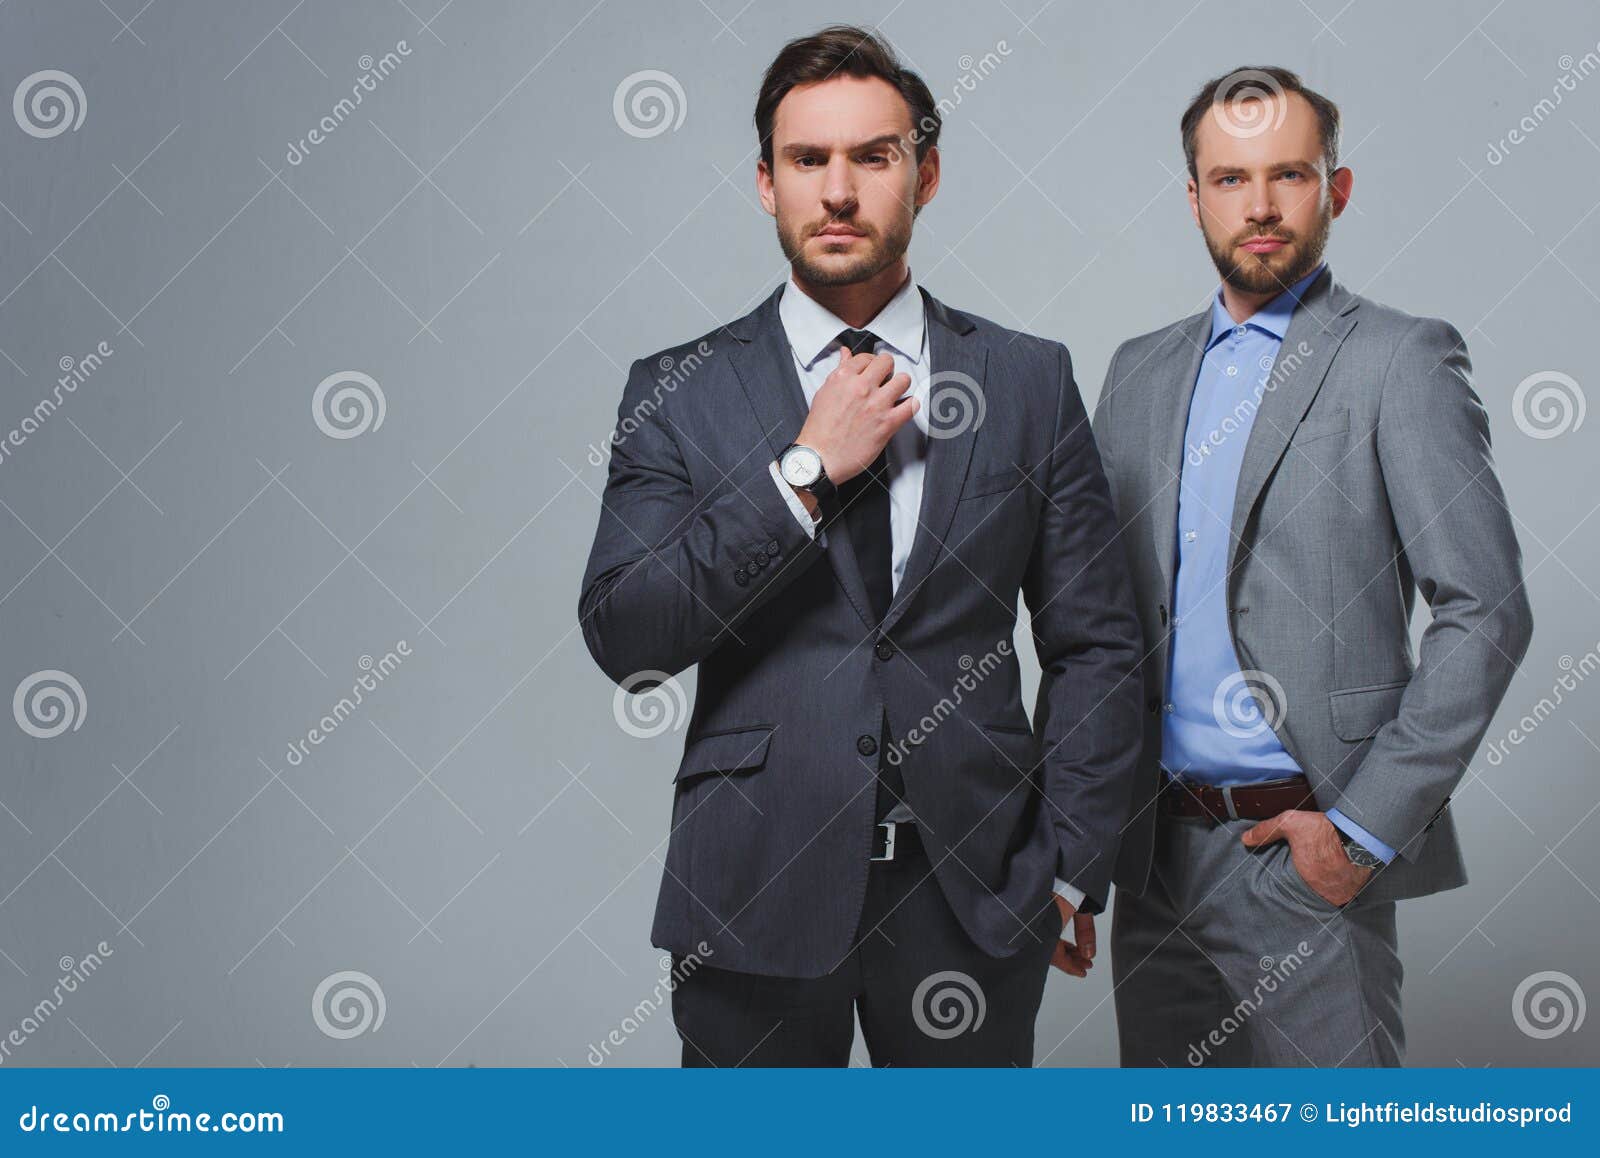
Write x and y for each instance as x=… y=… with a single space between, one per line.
x=928 y=177
x=1194 y=201
x=1340 y=182
x=764 y=189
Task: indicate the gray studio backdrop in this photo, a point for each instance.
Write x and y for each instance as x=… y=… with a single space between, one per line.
x=299 y=402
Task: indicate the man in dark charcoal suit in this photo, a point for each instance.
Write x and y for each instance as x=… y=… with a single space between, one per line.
x=832 y=511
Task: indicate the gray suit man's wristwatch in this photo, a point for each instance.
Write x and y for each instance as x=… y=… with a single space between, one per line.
x=1359 y=854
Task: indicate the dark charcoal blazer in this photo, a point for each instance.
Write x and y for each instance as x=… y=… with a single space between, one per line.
x=699 y=560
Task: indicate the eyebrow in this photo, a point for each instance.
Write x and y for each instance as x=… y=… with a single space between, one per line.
x=800 y=149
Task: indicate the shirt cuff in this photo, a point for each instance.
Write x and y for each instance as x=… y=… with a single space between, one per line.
x=1073 y=895
x=795 y=505
x=1360 y=835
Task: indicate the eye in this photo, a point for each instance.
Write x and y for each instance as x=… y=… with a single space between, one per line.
x=1291 y=174
x=806 y=161
x=1224 y=181
x=875 y=159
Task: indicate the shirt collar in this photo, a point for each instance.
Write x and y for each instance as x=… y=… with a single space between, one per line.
x=1272 y=317
x=812 y=328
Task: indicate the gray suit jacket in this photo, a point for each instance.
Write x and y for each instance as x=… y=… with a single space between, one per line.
x=698 y=560
x=1367 y=478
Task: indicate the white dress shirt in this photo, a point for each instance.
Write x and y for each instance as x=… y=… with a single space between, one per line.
x=902 y=331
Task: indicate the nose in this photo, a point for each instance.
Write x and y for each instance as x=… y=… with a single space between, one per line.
x=838 y=188
x=1263 y=210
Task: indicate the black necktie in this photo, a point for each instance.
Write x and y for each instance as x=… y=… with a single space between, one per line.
x=865 y=499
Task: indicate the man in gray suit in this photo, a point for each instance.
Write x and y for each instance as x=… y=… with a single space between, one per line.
x=864 y=821
x=1291 y=466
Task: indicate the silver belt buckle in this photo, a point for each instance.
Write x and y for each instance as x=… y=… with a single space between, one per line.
x=888 y=827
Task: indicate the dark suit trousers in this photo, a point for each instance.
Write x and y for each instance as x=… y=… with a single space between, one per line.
x=926 y=995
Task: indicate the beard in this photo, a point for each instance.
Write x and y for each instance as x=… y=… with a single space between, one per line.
x=1268 y=273
x=875 y=251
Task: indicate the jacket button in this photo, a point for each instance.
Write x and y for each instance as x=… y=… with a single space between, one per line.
x=885 y=649
x=773 y=547
x=866 y=745
x=741 y=578
x=757 y=563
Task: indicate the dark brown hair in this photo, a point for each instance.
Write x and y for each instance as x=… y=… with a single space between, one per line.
x=1253 y=84
x=843 y=49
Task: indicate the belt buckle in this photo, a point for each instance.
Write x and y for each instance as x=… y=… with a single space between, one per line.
x=1227 y=800
x=888 y=827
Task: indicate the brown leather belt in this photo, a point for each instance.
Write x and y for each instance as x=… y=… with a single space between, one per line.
x=1236 y=801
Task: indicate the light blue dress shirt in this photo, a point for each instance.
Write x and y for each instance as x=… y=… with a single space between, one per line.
x=1210 y=732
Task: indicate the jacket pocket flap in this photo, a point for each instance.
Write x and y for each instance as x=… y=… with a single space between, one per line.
x=1314 y=428
x=725 y=752
x=1360 y=712
x=993 y=481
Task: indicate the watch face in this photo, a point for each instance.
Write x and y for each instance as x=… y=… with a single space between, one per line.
x=801 y=466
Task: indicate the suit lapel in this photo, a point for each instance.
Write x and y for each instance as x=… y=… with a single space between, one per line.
x=1319 y=324
x=765 y=366
x=1180 y=369
x=957 y=395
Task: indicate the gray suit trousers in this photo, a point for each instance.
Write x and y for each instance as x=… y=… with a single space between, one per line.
x=1230 y=959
